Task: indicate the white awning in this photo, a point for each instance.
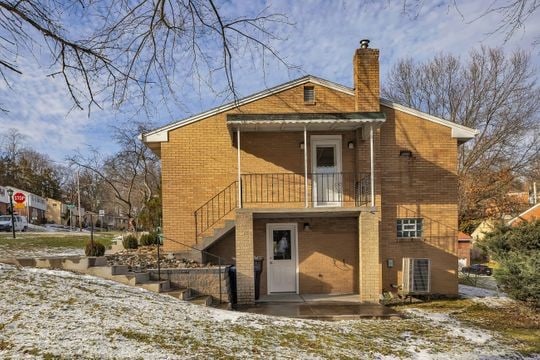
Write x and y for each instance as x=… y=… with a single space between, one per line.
x=297 y=122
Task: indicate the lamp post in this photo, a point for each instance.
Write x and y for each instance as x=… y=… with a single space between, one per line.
x=10 y=193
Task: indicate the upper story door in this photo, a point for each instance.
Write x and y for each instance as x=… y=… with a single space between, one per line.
x=327 y=178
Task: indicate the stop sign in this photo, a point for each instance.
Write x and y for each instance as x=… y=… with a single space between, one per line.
x=19 y=197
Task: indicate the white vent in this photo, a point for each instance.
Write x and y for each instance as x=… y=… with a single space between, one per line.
x=416 y=275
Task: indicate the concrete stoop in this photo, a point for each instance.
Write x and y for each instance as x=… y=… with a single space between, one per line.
x=97 y=266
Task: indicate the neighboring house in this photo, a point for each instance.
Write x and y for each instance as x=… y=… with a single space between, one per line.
x=485 y=227
x=531 y=214
x=4 y=200
x=340 y=191
x=464 y=249
x=55 y=211
x=33 y=208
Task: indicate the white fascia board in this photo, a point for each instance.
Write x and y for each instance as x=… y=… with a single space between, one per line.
x=523 y=213
x=458 y=131
x=161 y=134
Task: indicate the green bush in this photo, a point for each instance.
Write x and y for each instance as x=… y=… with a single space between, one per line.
x=149 y=239
x=94 y=248
x=130 y=242
x=517 y=250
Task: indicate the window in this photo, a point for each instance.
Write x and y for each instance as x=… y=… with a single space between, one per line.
x=416 y=275
x=309 y=95
x=409 y=228
x=325 y=156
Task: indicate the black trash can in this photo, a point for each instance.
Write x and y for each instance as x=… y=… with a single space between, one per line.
x=258 y=265
x=232 y=282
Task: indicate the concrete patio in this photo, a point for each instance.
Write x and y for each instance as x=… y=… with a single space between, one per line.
x=319 y=307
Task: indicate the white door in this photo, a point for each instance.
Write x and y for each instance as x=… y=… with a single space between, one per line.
x=282 y=259
x=326 y=164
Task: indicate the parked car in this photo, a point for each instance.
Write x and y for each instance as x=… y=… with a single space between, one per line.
x=21 y=224
x=477 y=269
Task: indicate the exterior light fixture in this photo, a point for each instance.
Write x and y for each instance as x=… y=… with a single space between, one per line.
x=307 y=227
x=405 y=154
x=301 y=145
x=350 y=144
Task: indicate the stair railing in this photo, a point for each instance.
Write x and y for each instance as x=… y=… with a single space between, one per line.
x=215 y=209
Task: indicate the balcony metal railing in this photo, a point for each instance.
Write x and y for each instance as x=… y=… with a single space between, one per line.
x=323 y=189
x=286 y=190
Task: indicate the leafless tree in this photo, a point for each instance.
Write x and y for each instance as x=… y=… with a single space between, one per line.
x=127 y=48
x=490 y=92
x=131 y=176
x=11 y=143
x=511 y=15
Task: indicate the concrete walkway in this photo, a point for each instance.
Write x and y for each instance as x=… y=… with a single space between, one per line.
x=319 y=307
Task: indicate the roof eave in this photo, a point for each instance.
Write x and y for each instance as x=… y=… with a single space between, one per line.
x=459 y=132
x=158 y=135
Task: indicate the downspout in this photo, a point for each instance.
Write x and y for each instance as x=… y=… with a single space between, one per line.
x=305 y=168
x=372 y=166
x=239 y=169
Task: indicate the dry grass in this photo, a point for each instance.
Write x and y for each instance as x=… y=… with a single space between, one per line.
x=517 y=324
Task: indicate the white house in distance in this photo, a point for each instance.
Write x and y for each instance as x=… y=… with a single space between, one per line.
x=34 y=207
x=4 y=200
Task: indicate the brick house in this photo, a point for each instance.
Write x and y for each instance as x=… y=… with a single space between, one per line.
x=464 y=249
x=340 y=191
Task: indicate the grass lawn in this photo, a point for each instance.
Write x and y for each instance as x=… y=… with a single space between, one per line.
x=35 y=241
x=518 y=324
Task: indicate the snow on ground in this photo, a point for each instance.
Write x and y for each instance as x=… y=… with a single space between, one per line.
x=491 y=298
x=46 y=313
x=10 y=252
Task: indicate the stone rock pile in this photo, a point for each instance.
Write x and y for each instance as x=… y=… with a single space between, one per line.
x=145 y=257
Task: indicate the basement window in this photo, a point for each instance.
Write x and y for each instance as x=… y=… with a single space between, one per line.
x=309 y=95
x=409 y=228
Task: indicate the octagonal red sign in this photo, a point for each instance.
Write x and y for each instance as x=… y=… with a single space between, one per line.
x=19 y=197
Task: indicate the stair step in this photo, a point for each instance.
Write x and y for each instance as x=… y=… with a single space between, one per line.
x=204 y=300
x=182 y=294
x=156 y=286
x=108 y=272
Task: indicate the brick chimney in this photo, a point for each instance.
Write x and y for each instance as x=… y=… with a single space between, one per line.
x=366 y=78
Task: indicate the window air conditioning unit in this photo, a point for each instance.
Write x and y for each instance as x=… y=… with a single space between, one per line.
x=416 y=276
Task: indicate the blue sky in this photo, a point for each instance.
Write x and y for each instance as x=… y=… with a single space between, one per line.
x=321 y=42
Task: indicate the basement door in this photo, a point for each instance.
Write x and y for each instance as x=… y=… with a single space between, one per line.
x=326 y=164
x=282 y=252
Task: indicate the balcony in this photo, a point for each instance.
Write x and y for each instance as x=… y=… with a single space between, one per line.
x=285 y=190
x=295 y=190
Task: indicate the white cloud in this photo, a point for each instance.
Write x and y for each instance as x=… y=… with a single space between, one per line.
x=40 y=108
x=322 y=42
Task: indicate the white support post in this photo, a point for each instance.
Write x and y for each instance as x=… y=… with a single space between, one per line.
x=305 y=169
x=372 y=166
x=239 y=169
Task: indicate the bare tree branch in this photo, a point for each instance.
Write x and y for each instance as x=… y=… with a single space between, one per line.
x=490 y=92
x=134 y=46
